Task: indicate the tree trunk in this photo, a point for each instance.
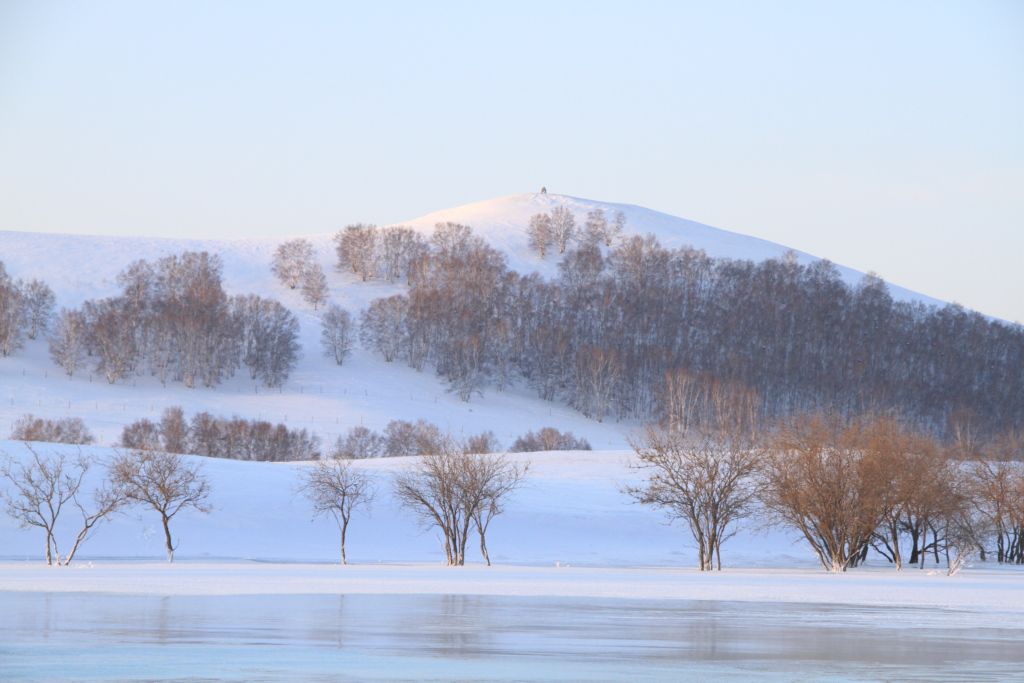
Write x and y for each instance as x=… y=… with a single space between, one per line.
x=344 y=529
x=483 y=549
x=167 y=538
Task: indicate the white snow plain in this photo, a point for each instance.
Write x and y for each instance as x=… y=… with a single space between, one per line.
x=569 y=531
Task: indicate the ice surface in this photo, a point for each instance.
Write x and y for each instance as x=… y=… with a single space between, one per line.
x=90 y=637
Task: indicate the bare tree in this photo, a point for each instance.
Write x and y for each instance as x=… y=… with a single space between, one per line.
x=996 y=481
x=292 y=260
x=540 y=233
x=67 y=345
x=563 y=227
x=595 y=230
x=490 y=478
x=39 y=301
x=819 y=480
x=314 y=285
x=704 y=479
x=336 y=333
x=335 y=488
x=454 y=491
x=166 y=482
x=615 y=229
x=43 y=486
x=356 y=246
x=174 y=430
x=12 y=314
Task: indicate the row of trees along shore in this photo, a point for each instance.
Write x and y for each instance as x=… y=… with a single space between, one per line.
x=846 y=486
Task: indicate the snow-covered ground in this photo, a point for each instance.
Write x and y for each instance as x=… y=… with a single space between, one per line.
x=319 y=395
x=569 y=531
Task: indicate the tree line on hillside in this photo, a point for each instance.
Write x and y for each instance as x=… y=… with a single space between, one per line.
x=26 y=310
x=174 y=321
x=641 y=331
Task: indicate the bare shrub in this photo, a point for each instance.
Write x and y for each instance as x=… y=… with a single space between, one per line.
x=549 y=439
x=70 y=430
x=359 y=442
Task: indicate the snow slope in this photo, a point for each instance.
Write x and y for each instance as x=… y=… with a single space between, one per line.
x=319 y=396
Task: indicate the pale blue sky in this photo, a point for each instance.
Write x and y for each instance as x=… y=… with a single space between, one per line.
x=886 y=136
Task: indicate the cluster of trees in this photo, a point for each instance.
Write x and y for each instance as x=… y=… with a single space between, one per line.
x=847 y=486
x=295 y=266
x=643 y=331
x=549 y=439
x=174 y=320
x=26 y=310
x=234 y=438
x=558 y=229
x=404 y=438
x=388 y=254
x=43 y=487
x=61 y=430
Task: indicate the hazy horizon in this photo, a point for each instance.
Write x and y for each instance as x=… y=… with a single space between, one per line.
x=885 y=138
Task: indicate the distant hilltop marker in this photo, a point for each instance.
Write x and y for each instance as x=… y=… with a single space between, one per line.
x=543 y=190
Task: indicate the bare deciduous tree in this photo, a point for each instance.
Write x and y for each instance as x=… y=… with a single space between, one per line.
x=455 y=491
x=335 y=488
x=336 y=333
x=12 y=314
x=356 y=246
x=540 y=233
x=314 y=285
x=292 y=260
x=706 y=480
x=39 y=301
x=490 y=478
x=43 y=486
x=820 y=481
x=166 y=482
x=563 y=227
x=596 y=227
x=67 y=344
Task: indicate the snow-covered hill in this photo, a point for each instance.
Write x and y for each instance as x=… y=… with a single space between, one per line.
x=319 y=395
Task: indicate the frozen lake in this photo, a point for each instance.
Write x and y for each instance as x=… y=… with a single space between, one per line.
x=93 y=637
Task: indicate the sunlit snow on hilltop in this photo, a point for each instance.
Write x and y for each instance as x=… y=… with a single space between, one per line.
x=80 y=267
